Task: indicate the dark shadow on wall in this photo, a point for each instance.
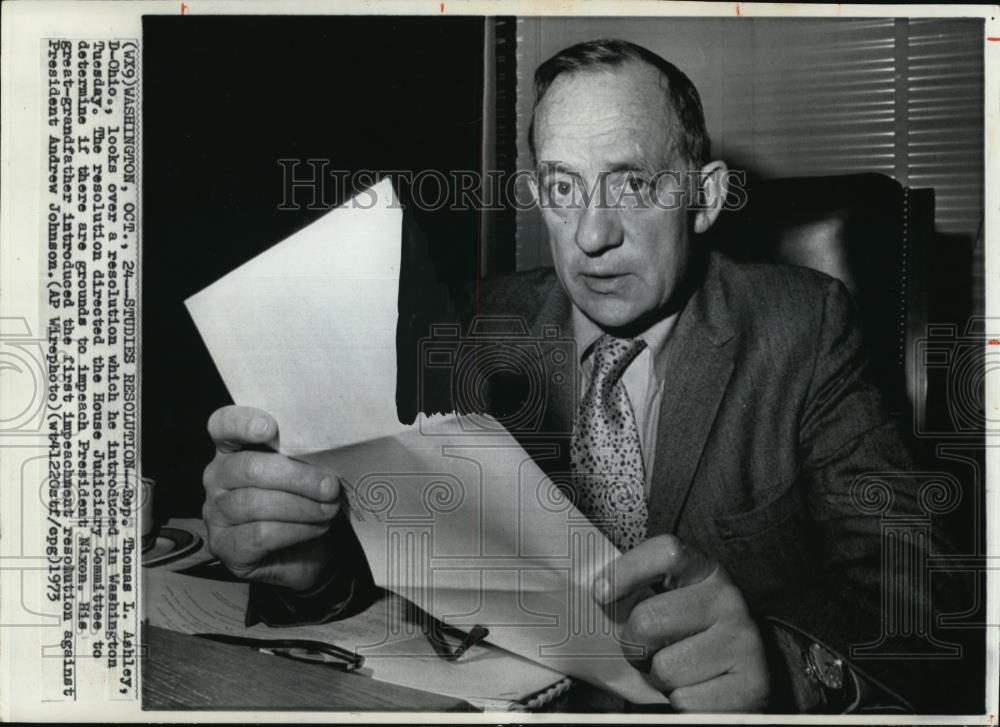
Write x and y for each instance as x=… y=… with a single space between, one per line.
x=224 y=98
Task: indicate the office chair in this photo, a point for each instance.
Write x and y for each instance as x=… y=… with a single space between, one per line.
x=866 y=230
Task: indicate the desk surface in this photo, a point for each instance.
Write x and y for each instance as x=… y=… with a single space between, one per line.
x=183 y=672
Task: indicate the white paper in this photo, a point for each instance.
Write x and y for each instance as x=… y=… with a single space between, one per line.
x=463 y=524
x=307 y=329
x=470 y=529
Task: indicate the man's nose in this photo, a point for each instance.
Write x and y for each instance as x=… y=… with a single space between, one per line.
x=598 y=229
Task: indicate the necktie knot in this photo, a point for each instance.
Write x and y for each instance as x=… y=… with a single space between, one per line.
x=612 y=356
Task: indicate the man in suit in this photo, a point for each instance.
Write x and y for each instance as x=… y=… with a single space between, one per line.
x=722 y=440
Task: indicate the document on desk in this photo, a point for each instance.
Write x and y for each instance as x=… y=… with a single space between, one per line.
x=463 y=523
x=389 y=635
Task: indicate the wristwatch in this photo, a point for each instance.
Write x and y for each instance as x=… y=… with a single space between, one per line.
x=826 y=671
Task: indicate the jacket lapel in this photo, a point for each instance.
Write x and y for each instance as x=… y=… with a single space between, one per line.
x=698 y=363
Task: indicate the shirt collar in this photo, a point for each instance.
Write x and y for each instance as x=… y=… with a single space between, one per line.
x=586 y=333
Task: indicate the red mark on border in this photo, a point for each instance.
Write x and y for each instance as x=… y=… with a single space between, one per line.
x=738 y=13
x=994 y=38
x=184 y=8
x=442 y=7
x=994 y=342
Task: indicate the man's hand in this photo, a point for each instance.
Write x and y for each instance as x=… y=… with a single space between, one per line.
x=701 y=647
x=266 y=514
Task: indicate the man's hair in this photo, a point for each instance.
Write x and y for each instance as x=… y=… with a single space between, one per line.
x=690 y=138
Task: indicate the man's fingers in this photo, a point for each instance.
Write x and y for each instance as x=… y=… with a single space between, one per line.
x=734 y=692
x=269 y=471
x=242 y=547
x=663 y=562
x=696 y=659
x=233 y=427
x=665 y=619
x=250 y=504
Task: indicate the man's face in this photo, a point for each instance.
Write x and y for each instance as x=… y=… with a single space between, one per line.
x=620 y=259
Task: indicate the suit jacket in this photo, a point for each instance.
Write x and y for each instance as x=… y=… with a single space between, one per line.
x=776 y=456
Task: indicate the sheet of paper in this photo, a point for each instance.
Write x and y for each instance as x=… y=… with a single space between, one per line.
x=388 y=634
x=469 y=528
x=463 y=524
x=307 y=329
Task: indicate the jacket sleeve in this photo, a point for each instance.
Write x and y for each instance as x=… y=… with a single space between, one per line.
x=875 y=601
x=345 y=589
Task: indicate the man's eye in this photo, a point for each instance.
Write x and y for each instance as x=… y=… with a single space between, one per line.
x=560 y=192
x=636 y=184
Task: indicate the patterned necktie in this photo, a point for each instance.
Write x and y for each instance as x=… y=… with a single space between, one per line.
x=609 y=477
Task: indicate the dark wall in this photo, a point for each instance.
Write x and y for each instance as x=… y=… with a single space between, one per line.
x=224 y=100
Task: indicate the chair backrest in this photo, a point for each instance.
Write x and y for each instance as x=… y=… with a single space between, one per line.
x=864 y=229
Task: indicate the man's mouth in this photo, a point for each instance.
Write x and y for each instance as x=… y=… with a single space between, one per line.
x=605 y=282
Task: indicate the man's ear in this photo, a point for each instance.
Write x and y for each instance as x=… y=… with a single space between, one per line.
x=713 y=181
x=533 y=188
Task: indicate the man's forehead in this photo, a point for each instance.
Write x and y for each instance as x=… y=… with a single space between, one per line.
x=618 y=110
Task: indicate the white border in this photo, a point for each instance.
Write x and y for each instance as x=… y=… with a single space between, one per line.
x=26 y=22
